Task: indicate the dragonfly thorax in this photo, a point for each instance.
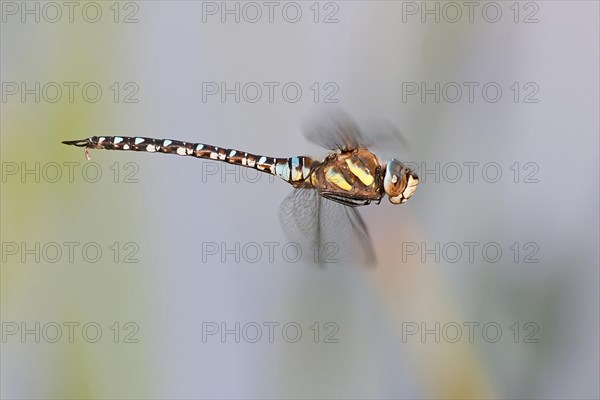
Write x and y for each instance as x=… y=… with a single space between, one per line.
x=399 y=182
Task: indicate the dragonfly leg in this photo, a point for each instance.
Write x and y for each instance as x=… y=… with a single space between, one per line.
x=347 y=201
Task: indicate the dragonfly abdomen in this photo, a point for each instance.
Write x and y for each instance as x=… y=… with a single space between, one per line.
x=293 y=170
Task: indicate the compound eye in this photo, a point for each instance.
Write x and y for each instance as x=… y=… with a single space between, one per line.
x=399 y=182
x=394 y=181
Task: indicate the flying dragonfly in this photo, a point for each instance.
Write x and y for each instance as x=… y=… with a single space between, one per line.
x=322 y=208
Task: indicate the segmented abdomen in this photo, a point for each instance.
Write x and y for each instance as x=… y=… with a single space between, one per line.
x=294 y=170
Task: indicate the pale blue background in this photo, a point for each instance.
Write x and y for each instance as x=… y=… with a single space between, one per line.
x=171 y=211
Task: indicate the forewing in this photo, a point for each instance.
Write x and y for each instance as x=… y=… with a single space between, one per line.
x=327 y=231
x=335 y=130
x=387 y=141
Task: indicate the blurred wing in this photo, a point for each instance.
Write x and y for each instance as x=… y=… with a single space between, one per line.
x=335 y=130
x=345 y=227
x=387 y=140
x=330 y=232
x=299 y=214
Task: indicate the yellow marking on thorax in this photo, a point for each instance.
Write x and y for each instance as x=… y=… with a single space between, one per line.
x=363 y=174
x=337 y=179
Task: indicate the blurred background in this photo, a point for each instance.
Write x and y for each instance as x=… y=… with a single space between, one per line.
x=149 y=276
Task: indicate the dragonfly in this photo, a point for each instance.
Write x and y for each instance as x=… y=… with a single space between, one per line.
x=322 y=208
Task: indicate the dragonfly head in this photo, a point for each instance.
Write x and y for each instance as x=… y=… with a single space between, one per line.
x=399 y=182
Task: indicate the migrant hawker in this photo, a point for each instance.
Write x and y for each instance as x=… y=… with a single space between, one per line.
x=322 y=206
